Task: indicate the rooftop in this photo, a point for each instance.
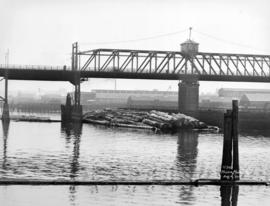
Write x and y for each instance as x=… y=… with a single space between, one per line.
x=189 y=41
x=244 y=90
x=134 y=91
x=256 y=97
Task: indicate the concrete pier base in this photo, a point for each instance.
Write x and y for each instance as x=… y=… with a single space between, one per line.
x=76 y=114
x=188 y=97
x=5 y=114
x=71 y=113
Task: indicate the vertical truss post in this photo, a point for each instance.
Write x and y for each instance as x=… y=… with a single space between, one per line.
x=5 y=112
x=76 y=113
x=137 y=61
x=118 y=60
x=132 y=57
x=76 y=73
x=99 y=59
x=150 y=63
x=74 y=59
x=113 y=59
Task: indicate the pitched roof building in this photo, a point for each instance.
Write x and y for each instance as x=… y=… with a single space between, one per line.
x=260 y=101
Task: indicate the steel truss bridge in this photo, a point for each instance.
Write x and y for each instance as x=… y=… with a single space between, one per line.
x=145 y=64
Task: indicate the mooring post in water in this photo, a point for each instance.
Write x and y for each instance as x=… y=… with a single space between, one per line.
x=230 y=158
x=226 y=167
x=235 y=140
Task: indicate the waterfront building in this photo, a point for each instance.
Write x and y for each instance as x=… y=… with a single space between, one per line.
x=255 y=101
x=239 y=92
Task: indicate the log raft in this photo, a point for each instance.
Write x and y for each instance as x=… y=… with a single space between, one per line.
x=153 y=120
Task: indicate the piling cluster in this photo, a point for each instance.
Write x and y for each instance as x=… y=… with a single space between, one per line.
x=154 y=120
x=230 y=158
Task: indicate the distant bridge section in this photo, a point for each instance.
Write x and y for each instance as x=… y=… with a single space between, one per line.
x=37 y=72
x=145 y=64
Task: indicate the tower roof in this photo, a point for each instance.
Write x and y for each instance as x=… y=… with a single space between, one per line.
x=189 y=41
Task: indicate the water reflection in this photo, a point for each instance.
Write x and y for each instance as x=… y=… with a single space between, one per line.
x=187 y=151
x=5 y=127
x=229 y=195
x=72 y=132
x=186 y=159
x=72 y=194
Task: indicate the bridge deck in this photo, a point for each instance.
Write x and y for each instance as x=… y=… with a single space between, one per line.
x=68 y=75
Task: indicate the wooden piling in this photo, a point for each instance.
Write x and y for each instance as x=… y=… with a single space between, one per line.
x=235 y=191
x=229 y=195
x=226 y=167
x=230 y=158
x=226 y=195
x=235 y=140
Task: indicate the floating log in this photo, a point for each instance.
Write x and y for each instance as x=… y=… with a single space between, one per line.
x=164 y=115
x=113 y=183
x=133 y=126
x=31 y=118
x=101 y=122
x=157 y=115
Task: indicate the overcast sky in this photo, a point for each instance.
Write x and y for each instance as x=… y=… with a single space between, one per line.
x=41 y=32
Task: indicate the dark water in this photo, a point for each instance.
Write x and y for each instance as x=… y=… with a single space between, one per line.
x=54 y=151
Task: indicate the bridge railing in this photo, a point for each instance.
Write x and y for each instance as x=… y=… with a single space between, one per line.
x=34 y=67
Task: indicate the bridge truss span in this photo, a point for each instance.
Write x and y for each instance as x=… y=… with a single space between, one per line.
x=174 y=63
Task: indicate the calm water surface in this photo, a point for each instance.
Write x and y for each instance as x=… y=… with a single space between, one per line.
x=53 y=151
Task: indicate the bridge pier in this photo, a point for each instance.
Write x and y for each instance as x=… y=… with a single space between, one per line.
x=5 y=112
x=73 y=112
x=66 y=110
x=188 y=97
